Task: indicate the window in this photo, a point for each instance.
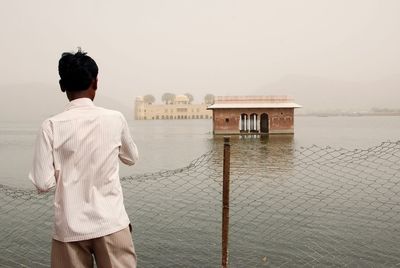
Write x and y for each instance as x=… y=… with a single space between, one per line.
x=226 y=120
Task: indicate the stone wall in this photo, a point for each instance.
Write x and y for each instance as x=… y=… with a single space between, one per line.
x=144 y=111
x=227 y=121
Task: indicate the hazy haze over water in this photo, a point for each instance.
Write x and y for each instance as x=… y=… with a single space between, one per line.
x=223 y=47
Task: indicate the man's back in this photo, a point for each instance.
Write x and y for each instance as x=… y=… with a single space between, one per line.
x=77 y=152
x=86 y=142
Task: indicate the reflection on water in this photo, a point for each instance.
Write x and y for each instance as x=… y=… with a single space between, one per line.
x=262 y=154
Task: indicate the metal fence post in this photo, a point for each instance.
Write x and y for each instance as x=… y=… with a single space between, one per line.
x=225 y=201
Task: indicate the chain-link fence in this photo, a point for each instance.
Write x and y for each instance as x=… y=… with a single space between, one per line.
x=304 y=207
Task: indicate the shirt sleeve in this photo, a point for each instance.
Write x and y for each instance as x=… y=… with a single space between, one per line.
x=128 y=153
x=42 y=173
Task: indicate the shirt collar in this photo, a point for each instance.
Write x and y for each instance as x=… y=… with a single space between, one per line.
x=81 y=102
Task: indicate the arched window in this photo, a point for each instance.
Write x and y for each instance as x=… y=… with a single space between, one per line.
x=253 y=122
x=243 y=123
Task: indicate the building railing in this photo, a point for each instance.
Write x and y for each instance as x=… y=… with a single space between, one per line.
x=253 y=99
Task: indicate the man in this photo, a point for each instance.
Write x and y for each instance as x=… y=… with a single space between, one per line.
x=77 y=152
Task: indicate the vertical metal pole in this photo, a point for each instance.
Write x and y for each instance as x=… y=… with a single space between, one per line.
x=225 y=202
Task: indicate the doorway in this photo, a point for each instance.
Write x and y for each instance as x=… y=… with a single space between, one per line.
x=264 y=123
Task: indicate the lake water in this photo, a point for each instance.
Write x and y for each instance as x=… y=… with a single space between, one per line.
x=292 y=204
x=173 y=144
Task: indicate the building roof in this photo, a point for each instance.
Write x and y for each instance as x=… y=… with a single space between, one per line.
x=253 y=105
x=253 y=102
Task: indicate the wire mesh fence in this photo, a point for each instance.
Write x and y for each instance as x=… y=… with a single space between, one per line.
x=304 y=207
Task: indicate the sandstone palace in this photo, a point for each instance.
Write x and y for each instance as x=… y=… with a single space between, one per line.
x=179 y=107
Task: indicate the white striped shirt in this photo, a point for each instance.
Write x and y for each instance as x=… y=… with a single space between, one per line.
x=77 y=151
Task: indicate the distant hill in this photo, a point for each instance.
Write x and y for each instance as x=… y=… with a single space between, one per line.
x=35 y=102
x=320 y=94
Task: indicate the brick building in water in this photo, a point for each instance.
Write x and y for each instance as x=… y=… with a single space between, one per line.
x=253 y=114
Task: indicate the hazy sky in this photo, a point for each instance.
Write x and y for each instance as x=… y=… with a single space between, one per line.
x=218 y=46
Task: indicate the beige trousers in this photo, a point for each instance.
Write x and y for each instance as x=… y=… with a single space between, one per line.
x=113 y=250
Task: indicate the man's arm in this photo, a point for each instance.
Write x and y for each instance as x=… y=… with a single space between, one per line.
x=43 y=174
x=128 y=152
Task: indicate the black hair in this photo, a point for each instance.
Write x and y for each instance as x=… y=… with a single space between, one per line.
x=77 y=71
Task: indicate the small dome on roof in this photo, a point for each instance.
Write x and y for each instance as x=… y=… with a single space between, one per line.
x=181 y=98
